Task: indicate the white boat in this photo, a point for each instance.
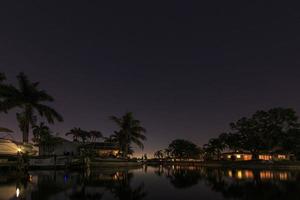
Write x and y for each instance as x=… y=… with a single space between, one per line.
x=8 y=147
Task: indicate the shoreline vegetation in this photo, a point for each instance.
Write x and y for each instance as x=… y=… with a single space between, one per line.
x=267 y=139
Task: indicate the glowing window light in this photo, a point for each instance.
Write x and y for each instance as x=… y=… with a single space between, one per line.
x=281 y=156
x=238 y=156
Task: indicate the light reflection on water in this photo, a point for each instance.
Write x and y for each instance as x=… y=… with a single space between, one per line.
x=152 y=182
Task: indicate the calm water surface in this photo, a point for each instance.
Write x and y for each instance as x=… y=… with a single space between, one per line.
x=172 y=182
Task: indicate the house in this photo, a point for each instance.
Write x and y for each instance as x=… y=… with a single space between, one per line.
x=105 y=149
x=61 y=147
x=64 y=147
x=244 y=156
x=236 y=156
x=276 y=156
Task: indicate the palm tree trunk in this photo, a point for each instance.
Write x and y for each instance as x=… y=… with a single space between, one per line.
x=26 y=133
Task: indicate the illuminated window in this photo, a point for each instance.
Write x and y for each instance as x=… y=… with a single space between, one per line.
x=238 y=156
x=281 y=156
x=247 y=157
x=265 y=157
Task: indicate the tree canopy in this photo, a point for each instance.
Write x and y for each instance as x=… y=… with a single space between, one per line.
x=183 y=149
x=130 y=132
x=264 y=131
x=30 y=99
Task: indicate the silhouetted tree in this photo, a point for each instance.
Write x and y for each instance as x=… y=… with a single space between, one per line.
x=43 y=138
x=159 y=154
x=183 y=149
x=265 y=130
x=130 y=132
x=30 y=99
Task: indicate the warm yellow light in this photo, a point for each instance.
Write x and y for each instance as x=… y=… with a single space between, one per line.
x=19 y=150
x=17 y=192
x=240 y=174
x=238 y=156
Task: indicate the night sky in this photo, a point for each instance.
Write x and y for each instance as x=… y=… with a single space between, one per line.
x=185 y=69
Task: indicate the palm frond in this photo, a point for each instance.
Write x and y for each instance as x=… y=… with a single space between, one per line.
x=49 y=113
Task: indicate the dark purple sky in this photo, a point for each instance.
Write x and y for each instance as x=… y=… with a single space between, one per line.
x=185 y=69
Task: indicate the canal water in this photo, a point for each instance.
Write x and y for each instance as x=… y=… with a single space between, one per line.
x=155 y=183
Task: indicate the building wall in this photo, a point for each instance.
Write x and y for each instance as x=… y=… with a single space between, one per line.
x=61 y=149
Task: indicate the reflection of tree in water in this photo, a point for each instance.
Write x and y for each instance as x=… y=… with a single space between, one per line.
x=117 y=183
x=122 y=188
x=50 y=183
x=214 y=178
x=239 y=187
x=183 y=177
x=254 y=188
x=262 y=190
x=83 y=195
x=160 y=171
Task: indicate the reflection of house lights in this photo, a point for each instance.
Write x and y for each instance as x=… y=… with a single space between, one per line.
x=17 y=192
x=240 y=174
x=230 y=173
x=283 y=176
x=266 y=175
x=30 y=178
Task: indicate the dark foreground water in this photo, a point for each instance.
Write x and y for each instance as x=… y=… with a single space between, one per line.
x=155 y=183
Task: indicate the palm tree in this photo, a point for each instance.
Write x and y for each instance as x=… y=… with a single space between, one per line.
x=43 y=138
x=77 y=134
x=95 y=135
x=130 y=132
x=31 y=100
x=40 y=132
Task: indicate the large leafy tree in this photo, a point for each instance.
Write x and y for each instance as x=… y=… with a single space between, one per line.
x=214 y=148
x=183 y=149
x=130 y=132
x=159 y=154
x=265 y=130
x=31 y=100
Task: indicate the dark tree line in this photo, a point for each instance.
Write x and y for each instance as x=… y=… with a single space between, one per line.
x=277 y=129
